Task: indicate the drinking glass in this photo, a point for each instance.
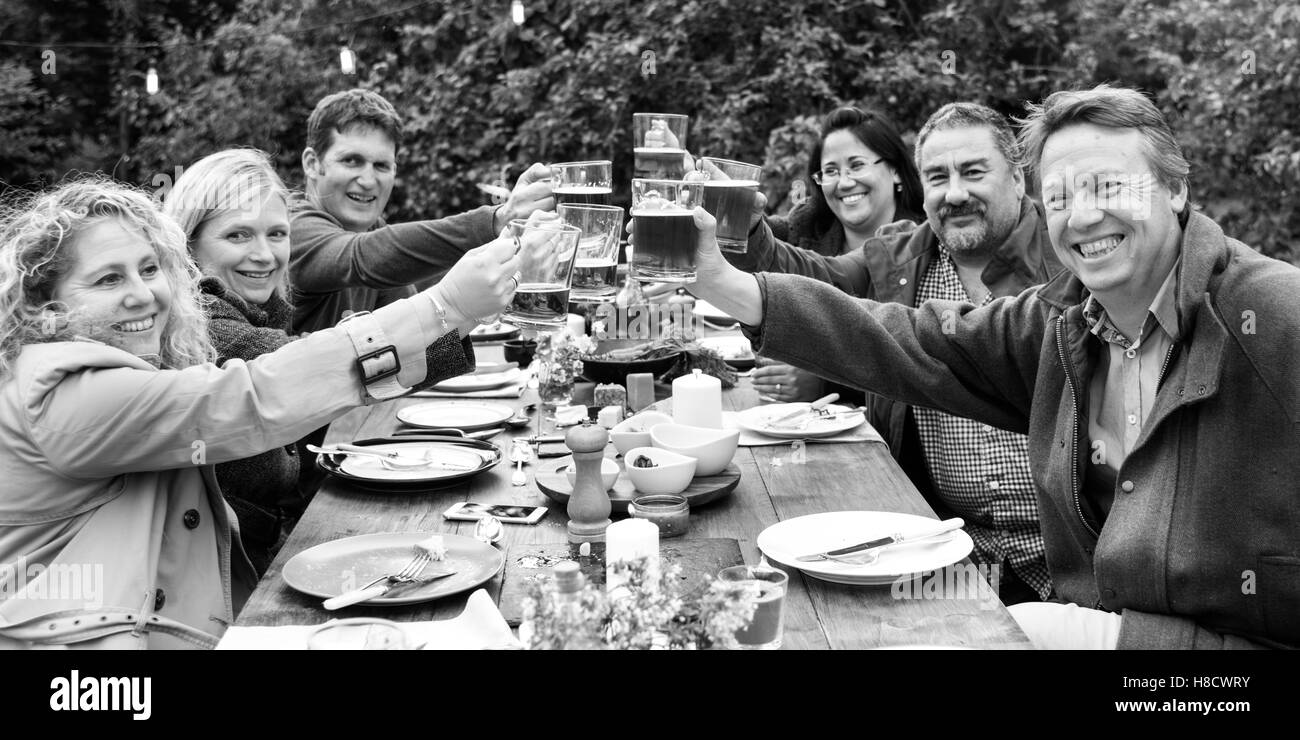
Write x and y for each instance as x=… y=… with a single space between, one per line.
x=664 y=230
x=595 y=270
x=546 y=252
x=764 y=630
x=658 y=145
x=583 y=182
x=730 y=198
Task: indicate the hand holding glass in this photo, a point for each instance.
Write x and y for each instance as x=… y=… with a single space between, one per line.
x=582 y=182
x=729 y=195
x=664 y=230
x=546 y=253
x=595 y=271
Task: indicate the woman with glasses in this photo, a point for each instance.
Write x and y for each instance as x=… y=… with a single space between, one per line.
x=863 y=179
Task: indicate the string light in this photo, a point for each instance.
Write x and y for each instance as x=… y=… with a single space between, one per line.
x=151 y=81
x=517 y=12
x=347 y=61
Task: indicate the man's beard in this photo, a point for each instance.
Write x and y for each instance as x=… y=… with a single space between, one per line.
x=981 y=236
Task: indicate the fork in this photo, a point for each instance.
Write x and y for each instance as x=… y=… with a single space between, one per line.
x=383 y=584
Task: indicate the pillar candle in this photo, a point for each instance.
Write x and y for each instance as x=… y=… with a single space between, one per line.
x=577 y=325
x=697 y=400
x=640 y=390
x=628 y=540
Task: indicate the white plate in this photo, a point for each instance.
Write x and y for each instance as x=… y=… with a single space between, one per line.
x=334 y=568
x=491 y=332
x=759 y=419
x=785 y=541
x=464 y=415
x=711 y=313
x=371 y=468
x=484 y=382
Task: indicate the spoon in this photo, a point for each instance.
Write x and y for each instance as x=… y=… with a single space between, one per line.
x=520 y=419
x=518 y=455
x=488 y=530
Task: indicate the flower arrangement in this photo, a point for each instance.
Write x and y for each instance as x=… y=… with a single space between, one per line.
x=639 y=615
x=559 y=363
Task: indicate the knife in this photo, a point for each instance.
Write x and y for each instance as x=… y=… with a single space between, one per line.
x=812 y=408
x=943 y=527
x=379 y=589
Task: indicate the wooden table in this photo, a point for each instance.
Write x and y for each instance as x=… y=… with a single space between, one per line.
x=818 y=614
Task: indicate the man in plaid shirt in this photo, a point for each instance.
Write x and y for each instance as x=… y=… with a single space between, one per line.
x=982 y=239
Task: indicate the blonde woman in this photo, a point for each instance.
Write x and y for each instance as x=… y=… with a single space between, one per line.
x=112 y=413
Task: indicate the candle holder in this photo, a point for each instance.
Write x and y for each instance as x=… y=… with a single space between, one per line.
x=671 y=513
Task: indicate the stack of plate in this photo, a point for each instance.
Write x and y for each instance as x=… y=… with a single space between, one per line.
x=786 y=541
x=466 y=416
x=481 y=382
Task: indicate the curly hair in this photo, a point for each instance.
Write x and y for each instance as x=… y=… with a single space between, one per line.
x=36 y=232
x=220 y=182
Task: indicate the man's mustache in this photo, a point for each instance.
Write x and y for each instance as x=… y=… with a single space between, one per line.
x=969 y=208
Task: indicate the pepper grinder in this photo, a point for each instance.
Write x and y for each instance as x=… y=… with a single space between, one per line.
x=589 y=503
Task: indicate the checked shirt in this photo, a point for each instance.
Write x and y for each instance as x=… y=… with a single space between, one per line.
x=980 y=472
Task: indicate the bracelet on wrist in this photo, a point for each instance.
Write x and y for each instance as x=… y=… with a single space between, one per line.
x=440 y=310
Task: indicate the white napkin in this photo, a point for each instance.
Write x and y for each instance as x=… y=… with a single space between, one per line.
x=506 y=391
x=480 y=626
x=864 y=433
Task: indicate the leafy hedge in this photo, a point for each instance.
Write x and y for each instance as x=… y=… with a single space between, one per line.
x=482 y=97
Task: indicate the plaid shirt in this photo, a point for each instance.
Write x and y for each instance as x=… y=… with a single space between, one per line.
x=980 y=472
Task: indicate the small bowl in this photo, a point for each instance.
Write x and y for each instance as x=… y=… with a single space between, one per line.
x=672 y=472
x=520 y=351
x=714 y=448
x=608 y=473
x=634 y=431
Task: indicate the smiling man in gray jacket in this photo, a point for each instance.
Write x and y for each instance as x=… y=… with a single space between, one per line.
x=1156 y=379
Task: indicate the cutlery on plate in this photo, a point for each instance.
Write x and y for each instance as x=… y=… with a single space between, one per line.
x=390 y=460
x=412 y=571
x=819 y=417
x=812 y=408
x=941 y=528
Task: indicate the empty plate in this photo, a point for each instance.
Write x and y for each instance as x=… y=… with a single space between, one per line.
x=484 y=382
x=464 y=415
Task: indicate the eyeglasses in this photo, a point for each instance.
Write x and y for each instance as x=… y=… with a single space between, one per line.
x=830 y=175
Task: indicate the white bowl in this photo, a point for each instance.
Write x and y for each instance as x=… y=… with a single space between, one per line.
x=714 y=448
x=634 y=431
x=608 y=473
x=672 y=472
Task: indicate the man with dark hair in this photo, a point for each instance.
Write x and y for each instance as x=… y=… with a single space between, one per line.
x=982 y=239
x=344 y=258
x=1156 y=378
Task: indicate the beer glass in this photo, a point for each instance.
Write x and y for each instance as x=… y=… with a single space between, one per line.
x=730 y=198
x=583 y=182
x=546 y=251
x=658 y=145
x=664 y=230
x=595 y=270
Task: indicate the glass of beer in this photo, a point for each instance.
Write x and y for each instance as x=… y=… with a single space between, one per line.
x=583 y=182
x=664 y=230
x=595 y=270
x=546 y=251
x=729 y=195
x=659 y=145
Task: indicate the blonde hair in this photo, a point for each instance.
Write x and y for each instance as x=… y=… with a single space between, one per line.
x=35 y=235
x=221 y=182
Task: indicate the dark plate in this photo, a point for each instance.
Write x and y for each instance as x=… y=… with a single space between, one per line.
x=490 y=454
x=616 y=371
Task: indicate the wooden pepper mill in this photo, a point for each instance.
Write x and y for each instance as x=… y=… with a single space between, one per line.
x=589 y=503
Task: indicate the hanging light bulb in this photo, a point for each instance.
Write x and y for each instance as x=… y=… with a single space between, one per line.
x=517 y=12
x=151 y=81
x=347 y=61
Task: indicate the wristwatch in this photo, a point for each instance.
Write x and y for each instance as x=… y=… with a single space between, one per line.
x=376 y=356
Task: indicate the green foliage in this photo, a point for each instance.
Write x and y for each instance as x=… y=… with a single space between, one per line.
x=483 y=98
